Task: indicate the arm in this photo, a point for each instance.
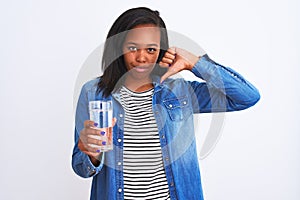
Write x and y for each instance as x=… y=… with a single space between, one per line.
x=223 y=90
x=83 y=164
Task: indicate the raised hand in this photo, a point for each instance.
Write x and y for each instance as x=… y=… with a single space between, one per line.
x=88 y=141
x=176 y=60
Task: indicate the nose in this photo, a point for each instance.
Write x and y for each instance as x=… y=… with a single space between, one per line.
x=141 y=56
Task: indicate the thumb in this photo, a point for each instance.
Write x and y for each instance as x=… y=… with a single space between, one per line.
x=114 y=120
x=169 y=73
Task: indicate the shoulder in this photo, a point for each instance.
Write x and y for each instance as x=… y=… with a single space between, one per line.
x=90 y=85
x=175 y=82
x=181 y=86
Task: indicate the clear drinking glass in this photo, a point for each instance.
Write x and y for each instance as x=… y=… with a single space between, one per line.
x=101 y=113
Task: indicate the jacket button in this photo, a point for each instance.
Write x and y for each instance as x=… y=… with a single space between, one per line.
x=163 y=136
x=170 y=106
x=121 y=115
x=120 y=190
x=119 y=140
x=172 y=184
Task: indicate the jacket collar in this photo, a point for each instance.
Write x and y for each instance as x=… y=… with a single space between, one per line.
x=155 y=80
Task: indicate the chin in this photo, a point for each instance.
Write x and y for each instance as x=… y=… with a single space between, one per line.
x=139 y=76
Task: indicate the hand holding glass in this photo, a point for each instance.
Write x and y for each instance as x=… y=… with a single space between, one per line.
x=101 y=114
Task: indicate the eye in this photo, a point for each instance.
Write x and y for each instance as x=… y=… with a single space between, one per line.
x=132 y=48
x=152 y=50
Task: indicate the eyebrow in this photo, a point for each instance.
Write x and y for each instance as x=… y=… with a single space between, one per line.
x=148 y=45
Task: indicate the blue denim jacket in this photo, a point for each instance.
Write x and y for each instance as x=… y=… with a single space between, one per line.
x=174 y=103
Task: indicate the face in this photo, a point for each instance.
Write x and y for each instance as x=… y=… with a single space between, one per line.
x=141 y=49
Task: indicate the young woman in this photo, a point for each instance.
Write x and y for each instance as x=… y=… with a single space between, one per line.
x=154 y=154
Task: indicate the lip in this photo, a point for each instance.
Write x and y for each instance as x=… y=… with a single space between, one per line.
x=141 y=69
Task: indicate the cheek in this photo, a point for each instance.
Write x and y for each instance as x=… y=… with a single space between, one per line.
x=127 y=59
x=154 y=57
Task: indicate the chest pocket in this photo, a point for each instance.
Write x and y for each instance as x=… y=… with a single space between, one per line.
x=178 y=108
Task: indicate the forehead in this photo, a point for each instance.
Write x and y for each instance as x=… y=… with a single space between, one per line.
x=144 y=34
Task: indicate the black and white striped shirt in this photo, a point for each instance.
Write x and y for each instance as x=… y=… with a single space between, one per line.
x=143 y=169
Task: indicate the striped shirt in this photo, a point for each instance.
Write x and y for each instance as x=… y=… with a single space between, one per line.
x=143 y=169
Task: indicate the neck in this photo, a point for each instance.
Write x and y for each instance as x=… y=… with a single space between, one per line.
x=138 y=85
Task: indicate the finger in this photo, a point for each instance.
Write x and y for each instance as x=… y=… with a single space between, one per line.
x=94 y=144
x=162 y=64
x=90 y=145
x=89 y=123
x=169 y=73
x=172 y=50
x=167 y=60
x=96 y=155
x=93 y=151
x=170 y=55
x=92 y=131
x=94 y=141
x=114 y=121
x=89 y=150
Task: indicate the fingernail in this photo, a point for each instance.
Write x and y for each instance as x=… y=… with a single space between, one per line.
x=102 y=132
x=95 y=124
x=98 y=151
x=103 y=143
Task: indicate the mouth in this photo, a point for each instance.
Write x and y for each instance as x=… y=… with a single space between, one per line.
x=141 y=69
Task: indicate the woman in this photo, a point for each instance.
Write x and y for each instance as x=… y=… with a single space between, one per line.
x=154 y=155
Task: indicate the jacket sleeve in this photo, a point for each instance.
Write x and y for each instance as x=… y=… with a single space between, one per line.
x=223 y=89
x=81 y=162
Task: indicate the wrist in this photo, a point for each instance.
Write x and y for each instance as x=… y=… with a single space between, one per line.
x=193 y=61
x=96 y=160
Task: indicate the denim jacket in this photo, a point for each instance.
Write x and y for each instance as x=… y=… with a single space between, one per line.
x=174 y=103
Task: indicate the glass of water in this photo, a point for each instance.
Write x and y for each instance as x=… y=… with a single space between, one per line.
x=101 y=113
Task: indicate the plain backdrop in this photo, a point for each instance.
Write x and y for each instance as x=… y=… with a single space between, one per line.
x=44 y=51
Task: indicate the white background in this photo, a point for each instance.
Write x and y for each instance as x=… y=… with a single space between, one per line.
x=45 y=44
